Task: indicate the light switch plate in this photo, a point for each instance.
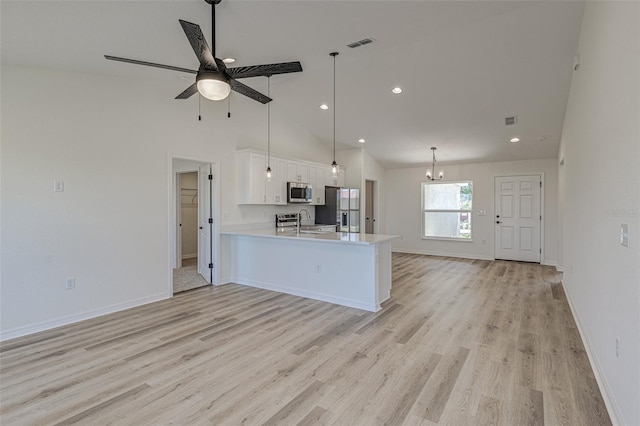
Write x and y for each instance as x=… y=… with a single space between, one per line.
x=58 y=186
x=624 y=235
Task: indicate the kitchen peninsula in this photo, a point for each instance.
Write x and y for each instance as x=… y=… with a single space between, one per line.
x=350 y=269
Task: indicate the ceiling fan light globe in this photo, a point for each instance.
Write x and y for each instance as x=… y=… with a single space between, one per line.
x=213 y=86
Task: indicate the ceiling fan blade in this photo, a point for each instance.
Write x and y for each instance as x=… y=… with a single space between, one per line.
x=264 y=70
x=199 y=44
x=149 y=64
x=189 y=91
x=221 y=65
x=248 y=91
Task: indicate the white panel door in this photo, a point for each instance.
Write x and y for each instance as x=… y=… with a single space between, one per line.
x=518 y=218
x=205 y=223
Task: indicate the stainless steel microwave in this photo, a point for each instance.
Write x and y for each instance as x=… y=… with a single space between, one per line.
x=299 y=192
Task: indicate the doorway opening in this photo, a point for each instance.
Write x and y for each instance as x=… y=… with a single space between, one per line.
x=370 y=207
x=193 y=237
x=185 y=275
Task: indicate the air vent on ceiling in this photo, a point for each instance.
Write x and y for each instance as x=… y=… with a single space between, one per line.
x=360 y=43
x=510 y=121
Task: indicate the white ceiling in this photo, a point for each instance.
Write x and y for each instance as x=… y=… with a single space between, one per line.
x=463 y=65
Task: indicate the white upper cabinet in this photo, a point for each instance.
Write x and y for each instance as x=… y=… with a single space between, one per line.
x=250 y=177
x=317 y=178
x=277 y=187
x=252 y=186
x=297 y=171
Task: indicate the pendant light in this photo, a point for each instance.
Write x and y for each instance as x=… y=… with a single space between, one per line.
x=334 y=165
x=269 y=130
x=431 y=173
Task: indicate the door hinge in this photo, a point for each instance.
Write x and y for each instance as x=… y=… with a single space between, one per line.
x=540 y=217
x=540 y=251
x=211 y=266
x=210 y=220
x=540 y=184
x=210 y=177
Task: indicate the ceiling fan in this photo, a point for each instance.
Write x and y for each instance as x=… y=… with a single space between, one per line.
x=213 y=79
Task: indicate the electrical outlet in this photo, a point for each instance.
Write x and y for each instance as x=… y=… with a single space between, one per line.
x=618 y=352
x=58 y=186
x=318 y=268
x=624 y=235
x=70 y=283
x=484 y=241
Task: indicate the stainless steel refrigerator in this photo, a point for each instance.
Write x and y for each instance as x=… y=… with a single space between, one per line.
x=342 y=208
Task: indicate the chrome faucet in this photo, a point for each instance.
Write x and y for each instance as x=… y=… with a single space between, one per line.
x=300 y=219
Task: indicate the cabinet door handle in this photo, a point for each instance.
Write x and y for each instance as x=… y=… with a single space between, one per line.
x=497 y=221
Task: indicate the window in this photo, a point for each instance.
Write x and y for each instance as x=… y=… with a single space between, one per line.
x=446 y=210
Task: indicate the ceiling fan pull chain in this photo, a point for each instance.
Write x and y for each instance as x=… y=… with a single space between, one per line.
x=199 y=102
x=229 y=106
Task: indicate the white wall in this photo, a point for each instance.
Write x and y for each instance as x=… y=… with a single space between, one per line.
x=403 y=213
x=601 y=149
x=351 y=160
x=372 y=170
x=361 y=166
x=99 y=134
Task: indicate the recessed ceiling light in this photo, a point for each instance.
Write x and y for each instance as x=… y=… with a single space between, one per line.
x=541 y=138
x=515 y=140
x=396 y=90
x=361 y=140
x=229 y=60
x=324 y=106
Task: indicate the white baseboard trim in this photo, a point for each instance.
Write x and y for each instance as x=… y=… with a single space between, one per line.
x=70 y=319
x=547 y=263
x=605 y=390
x=438 y=253
x=189 y=256
x=308 y=294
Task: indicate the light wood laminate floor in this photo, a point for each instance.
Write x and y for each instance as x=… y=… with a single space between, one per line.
x=460 y=342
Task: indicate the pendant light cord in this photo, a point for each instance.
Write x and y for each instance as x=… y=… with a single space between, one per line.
x=334 y=106
x=269 y=123
x=334 y=165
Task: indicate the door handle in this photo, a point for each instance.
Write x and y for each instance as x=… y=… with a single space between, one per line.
x=199 y=227
x=497 y=221
x=497 y=215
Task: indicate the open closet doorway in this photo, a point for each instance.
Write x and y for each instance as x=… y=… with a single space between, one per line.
x=193 y=229
x=370 y=207
x=187 y=219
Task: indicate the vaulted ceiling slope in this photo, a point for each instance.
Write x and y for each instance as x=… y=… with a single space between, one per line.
x=463 y=65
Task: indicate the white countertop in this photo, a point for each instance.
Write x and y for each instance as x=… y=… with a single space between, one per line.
x=331 y=237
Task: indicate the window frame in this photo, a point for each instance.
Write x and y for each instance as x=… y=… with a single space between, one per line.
x=424 y=210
